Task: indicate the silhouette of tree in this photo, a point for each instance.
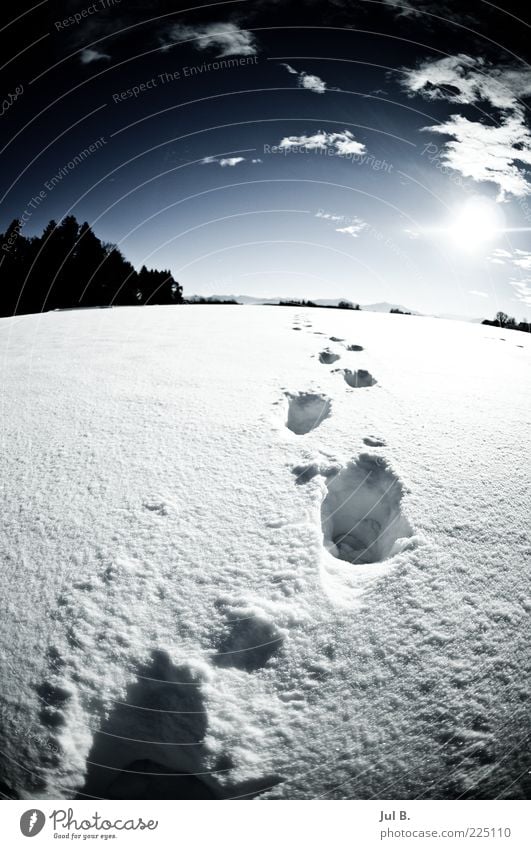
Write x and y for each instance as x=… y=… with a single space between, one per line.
x=68 y=266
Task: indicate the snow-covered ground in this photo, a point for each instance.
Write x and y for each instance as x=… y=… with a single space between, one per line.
x=229 y=555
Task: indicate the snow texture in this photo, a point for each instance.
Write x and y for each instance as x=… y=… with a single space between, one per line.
x=228 y=574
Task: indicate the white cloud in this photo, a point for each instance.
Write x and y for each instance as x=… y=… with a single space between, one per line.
x=520 y=260
x=308 y=81
x=496 y=152
x=353 y=224
x=478 y=293
x=227 y=38
x=523 y=262
x=88 y=55
x=228 y=161
x=354 y=229
x=522 y=290
x=489 y=153
x=468 y=80
x=340 y=144
x=329 y=216
x=413 y=234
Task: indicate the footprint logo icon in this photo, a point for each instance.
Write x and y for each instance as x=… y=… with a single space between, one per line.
x=32 y=822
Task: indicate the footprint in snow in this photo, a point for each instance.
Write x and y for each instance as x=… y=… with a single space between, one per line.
x=158 y=507
x=354 y=347
x=327 y=357
x=152 y=740
x=249 y=640
x=361 y=514
x=374 y=441
x=305 y=472
x=306 y=411
x=359 y=378
x=336 y=339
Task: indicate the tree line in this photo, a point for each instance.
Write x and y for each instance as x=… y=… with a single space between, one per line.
x=341 y=305
x=508 y=322
x=68 y=266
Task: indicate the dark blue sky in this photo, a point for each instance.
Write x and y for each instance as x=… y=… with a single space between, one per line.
x=376 y=151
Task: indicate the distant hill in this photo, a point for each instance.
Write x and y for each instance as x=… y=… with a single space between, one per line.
x=322 y=302
x=383 y=306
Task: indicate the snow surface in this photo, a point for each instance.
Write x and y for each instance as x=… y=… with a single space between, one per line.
x=229 y=569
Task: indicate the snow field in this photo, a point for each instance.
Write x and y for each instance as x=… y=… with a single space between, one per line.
x=231 y=570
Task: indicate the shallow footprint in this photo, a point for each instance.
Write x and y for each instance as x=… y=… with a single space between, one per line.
x=250 y=639
x=327 y=357
x=359 y=378
x=306 y=411
x=374 y=441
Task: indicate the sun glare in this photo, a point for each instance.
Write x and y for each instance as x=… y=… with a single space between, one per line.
x=477 y=222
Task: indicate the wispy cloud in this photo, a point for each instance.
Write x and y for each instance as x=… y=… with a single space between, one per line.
x=478 y=293
x=469 y=80
x=496 y=152
x=521 y=261
x=522 y=290
x=88 y=55
x=329 y=216
x=227 y=38
x=308 y=81
x=228 y=161
x=354 y=229
x=516 y=258
x=354 y=225
x=340 y=144
x=224 y=161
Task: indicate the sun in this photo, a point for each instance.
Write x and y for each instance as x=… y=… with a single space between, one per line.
x=477 y=222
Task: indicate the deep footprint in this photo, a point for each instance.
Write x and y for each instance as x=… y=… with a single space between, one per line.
x=153 y=736
x=354 y=347
x=359 y=378
x=306 y=411
x=327 y=357
x=361 y=514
